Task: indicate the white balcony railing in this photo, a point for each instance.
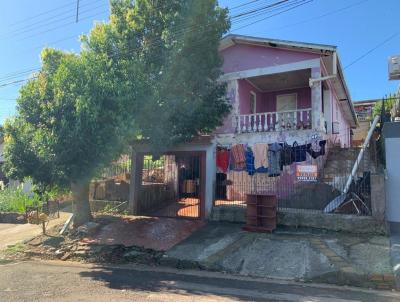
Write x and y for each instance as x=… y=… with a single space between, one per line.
x=273 y=121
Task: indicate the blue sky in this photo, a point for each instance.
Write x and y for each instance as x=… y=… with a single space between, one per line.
x=25 y=28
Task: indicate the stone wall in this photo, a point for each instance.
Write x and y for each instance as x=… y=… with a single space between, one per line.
x=12 y=218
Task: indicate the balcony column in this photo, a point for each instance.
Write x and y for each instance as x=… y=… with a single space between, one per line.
x=233 y=97
x=316 y=100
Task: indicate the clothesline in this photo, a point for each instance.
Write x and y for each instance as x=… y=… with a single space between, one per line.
x=266 y=158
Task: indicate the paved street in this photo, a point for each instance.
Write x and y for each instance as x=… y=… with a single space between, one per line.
x=60 y=281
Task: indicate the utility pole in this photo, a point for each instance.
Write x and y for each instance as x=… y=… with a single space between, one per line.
x=77 y=11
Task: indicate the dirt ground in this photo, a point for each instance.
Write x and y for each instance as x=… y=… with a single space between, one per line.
x=11 y=234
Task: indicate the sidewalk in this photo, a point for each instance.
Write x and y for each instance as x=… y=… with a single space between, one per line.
x=11 y=234
x=337 y=258
x=395 y=250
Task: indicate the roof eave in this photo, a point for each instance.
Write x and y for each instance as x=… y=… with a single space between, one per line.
x=233 y=39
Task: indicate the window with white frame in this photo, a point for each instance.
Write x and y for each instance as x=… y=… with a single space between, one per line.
x=286 y=102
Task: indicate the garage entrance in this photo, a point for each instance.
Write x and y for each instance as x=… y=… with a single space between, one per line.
x=171 y=185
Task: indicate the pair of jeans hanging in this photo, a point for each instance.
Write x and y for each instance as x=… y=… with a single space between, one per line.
x=300 y=152
x=287 y=157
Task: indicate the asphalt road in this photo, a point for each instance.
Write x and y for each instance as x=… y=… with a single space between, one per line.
x=60 y=281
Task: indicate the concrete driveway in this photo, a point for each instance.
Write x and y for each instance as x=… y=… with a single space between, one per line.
x=338 y=258
x=11 y=234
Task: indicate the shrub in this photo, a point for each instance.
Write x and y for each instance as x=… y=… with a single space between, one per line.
x=15 y=200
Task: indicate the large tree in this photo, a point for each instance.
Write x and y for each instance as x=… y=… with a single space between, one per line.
x=151 y=71
x=171 y=48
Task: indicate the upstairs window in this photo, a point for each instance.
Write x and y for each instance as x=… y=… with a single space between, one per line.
x=286 y=102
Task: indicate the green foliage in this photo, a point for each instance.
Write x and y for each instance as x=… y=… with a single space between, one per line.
x=150 y=72
x=15 y=200
x=69 y=122
x=166 y=54
x=389 y=103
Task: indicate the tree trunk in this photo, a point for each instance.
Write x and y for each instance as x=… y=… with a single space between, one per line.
x=80 y=195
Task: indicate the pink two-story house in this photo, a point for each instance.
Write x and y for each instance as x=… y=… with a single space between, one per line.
x=281 y=92
x=284 y=88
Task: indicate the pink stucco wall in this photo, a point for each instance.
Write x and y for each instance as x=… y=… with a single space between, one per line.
x=244 y=57
x=266 y=102
x=343 y=138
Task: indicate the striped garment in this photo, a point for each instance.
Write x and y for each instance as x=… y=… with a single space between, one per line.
x=238 y=154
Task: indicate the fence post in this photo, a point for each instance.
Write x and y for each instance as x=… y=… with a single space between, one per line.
x=378 y=200
x=135 y=182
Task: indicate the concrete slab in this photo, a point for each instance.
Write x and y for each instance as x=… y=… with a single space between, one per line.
x=149 y=232
x=327 y=257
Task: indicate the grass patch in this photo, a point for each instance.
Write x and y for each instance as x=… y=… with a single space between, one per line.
x=14 y=249
x=5 y=261
x=15 y=200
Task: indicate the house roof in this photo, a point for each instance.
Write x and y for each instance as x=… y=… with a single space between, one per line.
x=233 y=39
x=321 y=49
x=365 y=102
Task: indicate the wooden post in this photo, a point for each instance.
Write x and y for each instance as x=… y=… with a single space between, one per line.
x=135 y=182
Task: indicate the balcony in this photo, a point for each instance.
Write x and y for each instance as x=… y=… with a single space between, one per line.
x=299 y=119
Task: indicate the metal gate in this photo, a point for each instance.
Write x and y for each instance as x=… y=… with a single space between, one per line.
x=172 y=185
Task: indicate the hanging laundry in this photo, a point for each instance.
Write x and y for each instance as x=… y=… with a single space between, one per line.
x=300 y=152
x=314 y=154
x=315 y=146
x=250 y=161
x=238 y=154
x=222 y=160
x=260 y=152
x=287 y=156
x=262 y=170
x=274 y=160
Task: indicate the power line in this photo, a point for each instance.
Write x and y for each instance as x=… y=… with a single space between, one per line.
x=188 y=29
x=43 y=22
x=16 y=82
x=257 y=21
x=193 y=27
x=321 y=16
x=61 y=26
x=49 y=21
x=372 y=50
x=244 y=4
x=258 y=9
x=281 y=5
x=41 y=14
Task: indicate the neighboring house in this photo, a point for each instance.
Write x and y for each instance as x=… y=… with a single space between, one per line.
x=25 y=186
x=364 y=112
x=280 y=92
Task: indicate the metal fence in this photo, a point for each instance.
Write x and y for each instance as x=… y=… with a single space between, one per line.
x=116 y=168
x=307 y=182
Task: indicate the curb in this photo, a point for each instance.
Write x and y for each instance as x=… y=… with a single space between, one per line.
x=341 y=278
